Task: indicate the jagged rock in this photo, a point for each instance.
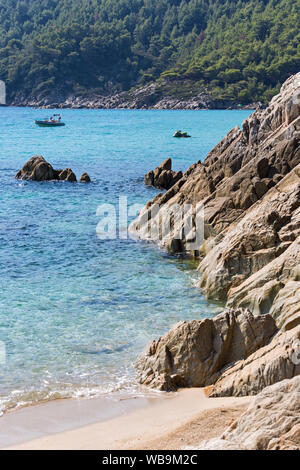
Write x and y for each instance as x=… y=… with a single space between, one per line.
x=258 y=238
x=278 y=360
x=273 y=289
x=38 y=169
x=85 y=178
x=272 y=422
x=241 y=169
x=163 y=176
x=193 y=354
x=249 y=185
x=67 y=175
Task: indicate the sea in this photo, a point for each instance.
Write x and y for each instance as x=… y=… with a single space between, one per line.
x=76 y=310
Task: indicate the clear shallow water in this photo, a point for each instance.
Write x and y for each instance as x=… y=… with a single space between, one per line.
x=76 y=311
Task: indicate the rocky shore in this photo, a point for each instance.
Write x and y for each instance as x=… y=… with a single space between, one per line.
x=249 y=185
x=151 y=96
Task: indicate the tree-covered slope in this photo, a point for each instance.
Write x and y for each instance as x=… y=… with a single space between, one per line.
x=240 y=50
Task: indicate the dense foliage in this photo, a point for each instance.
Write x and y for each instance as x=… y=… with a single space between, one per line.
x=241 y=50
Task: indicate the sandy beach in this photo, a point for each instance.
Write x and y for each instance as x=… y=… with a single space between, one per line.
x=171 y=421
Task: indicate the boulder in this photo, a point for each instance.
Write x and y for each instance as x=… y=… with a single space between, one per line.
x=85 y=178
x=271 y=422
x=163 y=177
x=278 y=360
x=193 y=354
x=38 y=169
x=67 y=175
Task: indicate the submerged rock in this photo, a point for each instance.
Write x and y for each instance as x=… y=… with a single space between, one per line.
x=193 y=354
x=38 y=169
x=272 y=422
x=163 y=177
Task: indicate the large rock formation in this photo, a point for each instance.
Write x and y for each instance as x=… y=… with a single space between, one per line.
x=38 y=169
x=249 y=185
x=241 y=169
x=272 y=422
x=193 y=354
x=163 y=177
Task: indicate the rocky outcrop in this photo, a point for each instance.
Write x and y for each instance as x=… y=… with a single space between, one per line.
x=85 y=178
x=67 y=175
x=249 y=186
x=240 y=170
x=193 y=354
x=163 y=177
x=278 y=360
x=272 y=422
x=38 y=169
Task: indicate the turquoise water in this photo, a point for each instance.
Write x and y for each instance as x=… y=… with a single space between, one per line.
x=75 y=311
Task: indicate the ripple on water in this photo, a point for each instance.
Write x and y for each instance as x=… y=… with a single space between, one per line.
x=76 y=311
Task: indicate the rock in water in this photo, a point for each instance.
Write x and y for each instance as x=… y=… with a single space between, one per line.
x=163 y=177
x=193 y=354
x=38 y=169
x=272 y=422
x=85 y=178
x=67 y=175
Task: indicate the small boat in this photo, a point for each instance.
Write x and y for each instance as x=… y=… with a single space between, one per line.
x=181 y=134
x=53 y=121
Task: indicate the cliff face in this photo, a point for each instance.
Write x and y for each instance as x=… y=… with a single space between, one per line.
x=249 y=185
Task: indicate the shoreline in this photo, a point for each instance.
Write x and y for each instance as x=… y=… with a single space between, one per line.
x=128 y=108
x=105 y=423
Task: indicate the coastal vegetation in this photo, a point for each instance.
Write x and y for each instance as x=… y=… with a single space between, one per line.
x=240 y=51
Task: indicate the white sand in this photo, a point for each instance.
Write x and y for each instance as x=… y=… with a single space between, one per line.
x=155 y=425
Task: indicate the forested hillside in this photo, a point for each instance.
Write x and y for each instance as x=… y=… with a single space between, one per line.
x=240 y=50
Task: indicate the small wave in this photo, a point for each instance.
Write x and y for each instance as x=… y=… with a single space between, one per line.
x=123 y=386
